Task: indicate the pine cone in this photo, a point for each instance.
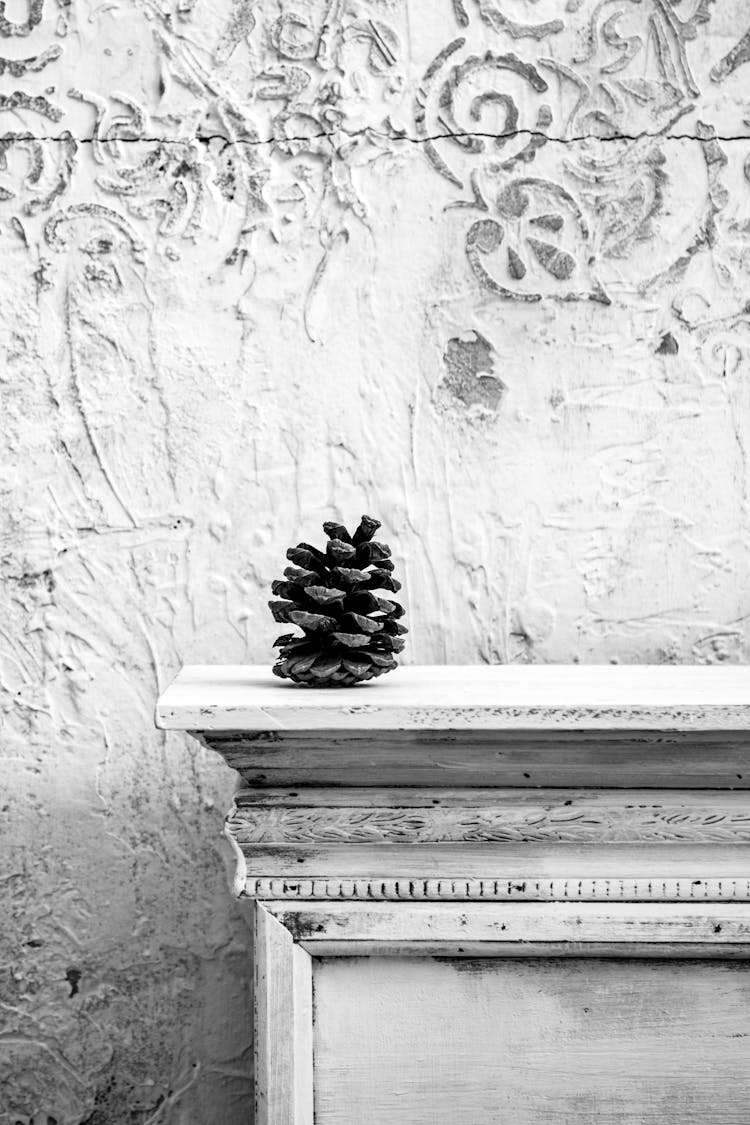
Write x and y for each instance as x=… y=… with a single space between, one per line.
x=349 y=633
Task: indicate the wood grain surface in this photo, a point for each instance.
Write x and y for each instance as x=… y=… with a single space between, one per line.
x=532 y=1042
x=450 y=759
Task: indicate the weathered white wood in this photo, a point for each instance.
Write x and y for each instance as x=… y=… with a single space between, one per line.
x=476 y=813
x=478 y=860
x=274 y=1025
x=283 y=1025
x=485 y=844
x=723 y=805
x=435 y=697
x=493 y=844
x=302 y=990
x=286 y=934
x=531 y=1042
x=578 y=924
x=450 y=759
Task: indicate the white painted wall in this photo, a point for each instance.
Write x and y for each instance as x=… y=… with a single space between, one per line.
x=244 y=291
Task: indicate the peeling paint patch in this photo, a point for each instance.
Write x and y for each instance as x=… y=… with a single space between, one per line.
x=667 y=345
x=73 y=977
x=470 y=371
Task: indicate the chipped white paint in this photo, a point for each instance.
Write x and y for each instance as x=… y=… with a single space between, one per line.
x=469 y=698
x=534 y=1041
x=242 y=292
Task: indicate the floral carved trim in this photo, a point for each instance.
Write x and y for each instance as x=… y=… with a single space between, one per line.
x=572 y=821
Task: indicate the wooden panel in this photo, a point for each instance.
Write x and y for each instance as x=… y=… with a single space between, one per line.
x=385 y=925
x=468 y=697
x=283 y=1026
x=532 y=1042
x=302 y=1034
x=440 y=758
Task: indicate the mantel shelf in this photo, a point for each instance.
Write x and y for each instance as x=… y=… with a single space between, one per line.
x=246 y=698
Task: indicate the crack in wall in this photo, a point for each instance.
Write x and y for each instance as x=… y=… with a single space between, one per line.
x=393 y=137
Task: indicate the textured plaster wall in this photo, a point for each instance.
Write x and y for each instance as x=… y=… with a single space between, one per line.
x=481 y=268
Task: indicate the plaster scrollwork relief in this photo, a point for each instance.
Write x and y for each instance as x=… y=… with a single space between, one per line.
x=599 y=119
x=10 y=26
x=328 y=92
x=521 y=21
x=735 y=58
x=541 y=228
x=152 y=179
x=468 y=103
x=34 y=175
x=565 y=136
x=208 y=152
x=483 y=119
x=99 y=273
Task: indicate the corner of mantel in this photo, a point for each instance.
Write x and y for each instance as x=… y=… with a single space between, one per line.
x=487 y=784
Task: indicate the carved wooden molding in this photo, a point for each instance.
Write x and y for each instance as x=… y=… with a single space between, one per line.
x=492 y=845
x=433 y=816
x=488 y=784
x=501 y=890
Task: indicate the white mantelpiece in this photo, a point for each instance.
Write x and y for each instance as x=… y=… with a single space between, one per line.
x=473 y=813
x=535 y=782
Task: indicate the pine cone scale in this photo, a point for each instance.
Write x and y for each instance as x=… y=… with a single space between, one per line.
x=351 y=640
